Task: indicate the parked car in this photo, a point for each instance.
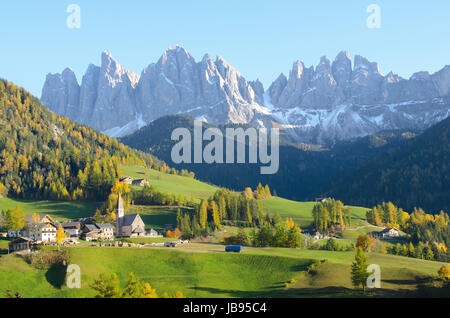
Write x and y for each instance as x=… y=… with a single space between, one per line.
x=233 y=248
x=170 y=244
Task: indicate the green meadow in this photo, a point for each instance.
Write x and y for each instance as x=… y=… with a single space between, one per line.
x=58 y=210
x=175 y=184
x=195 y=274
x=301 y=211
x=209 y=272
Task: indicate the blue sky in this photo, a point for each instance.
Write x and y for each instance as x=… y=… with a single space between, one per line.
x=260 y=38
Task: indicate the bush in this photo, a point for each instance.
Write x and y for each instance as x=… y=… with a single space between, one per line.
x=331 y=245
x=47 y=259
x=240 y=239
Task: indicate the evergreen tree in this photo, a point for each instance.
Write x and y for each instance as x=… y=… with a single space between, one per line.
x=359 y=272
x=203 y=214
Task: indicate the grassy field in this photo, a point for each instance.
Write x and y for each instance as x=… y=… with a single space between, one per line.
x=195 y=274
x=301 y=211
x=204 y=270
x=171 y=183
x=58 y=210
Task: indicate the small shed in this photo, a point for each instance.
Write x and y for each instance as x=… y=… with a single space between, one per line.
x=20 y=244
x=140 y=182
x=126 y=180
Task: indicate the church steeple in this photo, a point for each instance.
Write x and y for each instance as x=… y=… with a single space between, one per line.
x=119 y=215
x=120 y=210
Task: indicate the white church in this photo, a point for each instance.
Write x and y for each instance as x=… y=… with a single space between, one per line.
x=130 y=225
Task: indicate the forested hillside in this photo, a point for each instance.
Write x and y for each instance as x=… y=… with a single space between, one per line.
x=47 y=156
x=417 y=174
x=305 y=170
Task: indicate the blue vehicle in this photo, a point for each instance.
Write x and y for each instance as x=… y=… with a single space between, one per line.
x=233 y=248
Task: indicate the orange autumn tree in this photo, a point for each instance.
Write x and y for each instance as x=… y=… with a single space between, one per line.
x=177 y=233
x=60 y=235
x=444 y=272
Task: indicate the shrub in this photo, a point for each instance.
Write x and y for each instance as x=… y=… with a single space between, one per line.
x=47 y=259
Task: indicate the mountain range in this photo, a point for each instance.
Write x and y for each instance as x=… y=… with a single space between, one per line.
x=334 y=101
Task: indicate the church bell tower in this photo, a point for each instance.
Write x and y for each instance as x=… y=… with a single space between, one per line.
x=119 y=215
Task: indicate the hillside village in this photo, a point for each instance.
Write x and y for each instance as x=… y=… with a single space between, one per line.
x=42 y=230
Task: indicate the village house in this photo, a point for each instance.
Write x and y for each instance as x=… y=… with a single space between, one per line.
x=106 y=231
x=95 y=232
x=44 y=219
x=140 y=182
x=126 y=180
x=390 y=232
x=387 y=232
x=71 y=228
x=19 y=245
x=90 y=232
x=40 y=232
x=130 y=225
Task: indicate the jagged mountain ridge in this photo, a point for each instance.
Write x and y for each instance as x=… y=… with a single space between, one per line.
x=118 y=101
x=331 y=102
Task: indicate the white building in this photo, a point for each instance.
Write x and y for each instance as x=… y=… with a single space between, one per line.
x=41 y=232
x=130 y=225
x=390 y=232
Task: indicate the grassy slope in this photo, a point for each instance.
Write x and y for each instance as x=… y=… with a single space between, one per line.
x=157 y=217
x=58 y=210
x=203 y=271
x=195 y=274
x=171 y=183
x=301 y=211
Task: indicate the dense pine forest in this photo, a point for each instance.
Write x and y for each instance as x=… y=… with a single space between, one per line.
x=305 y=171
x=416 y=174
x=47 y=156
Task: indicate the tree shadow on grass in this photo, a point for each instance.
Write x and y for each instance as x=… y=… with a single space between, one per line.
x=56 y=276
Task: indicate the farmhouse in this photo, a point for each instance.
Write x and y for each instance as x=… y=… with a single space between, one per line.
x=126 y=180
x=106 y=231
x=130 y=225
x=140 y=182
x=95 y=232
x=20 y=244
x=390 y=232
x=387 y=232
x=90 y=232
x=40 y=232
x=72 y=228
x=44 y=219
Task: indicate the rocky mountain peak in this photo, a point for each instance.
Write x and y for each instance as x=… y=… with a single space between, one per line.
x=322 y=104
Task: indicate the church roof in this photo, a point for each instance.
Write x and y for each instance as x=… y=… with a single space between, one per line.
x=128 y=219
x=104 y=225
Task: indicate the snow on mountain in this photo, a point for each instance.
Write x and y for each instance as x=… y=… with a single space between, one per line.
x=332 y=101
